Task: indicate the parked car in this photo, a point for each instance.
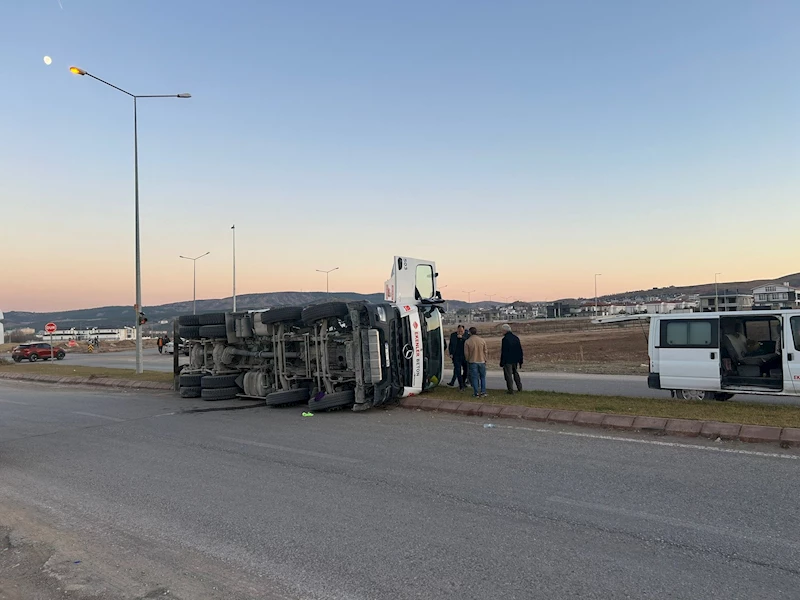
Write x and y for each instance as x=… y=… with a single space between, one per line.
x=36 y=351
x=169 y=347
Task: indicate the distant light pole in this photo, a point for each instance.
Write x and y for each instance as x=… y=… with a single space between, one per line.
x=138 y=307
x=490 y=296
x=327 y=279
x=194 y=279
x=716 y=292
x=596 y=275
x=469 y=301
x=233 y=229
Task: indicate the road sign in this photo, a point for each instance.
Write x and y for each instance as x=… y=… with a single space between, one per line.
x=50 y=328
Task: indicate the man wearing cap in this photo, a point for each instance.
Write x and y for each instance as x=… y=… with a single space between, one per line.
x=511 y=359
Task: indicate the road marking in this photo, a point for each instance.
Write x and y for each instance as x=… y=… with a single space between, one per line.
x=287 y=449
x=616 y=510
x=613 y=438
x=88 y=414
x=14 y=402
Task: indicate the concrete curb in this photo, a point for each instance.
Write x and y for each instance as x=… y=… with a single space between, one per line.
x=100 y=381
x=787 y=437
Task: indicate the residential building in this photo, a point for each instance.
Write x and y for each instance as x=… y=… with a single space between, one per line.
x=775 y=296
x=63 y=335
x=729 y=301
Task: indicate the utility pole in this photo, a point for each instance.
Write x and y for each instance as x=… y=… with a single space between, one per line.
x=596 y=275
x=716 y=292
x=233 y=229
x=327 y=279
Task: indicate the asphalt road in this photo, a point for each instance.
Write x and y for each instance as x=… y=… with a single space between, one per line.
x=575 y=383
x=393 y=504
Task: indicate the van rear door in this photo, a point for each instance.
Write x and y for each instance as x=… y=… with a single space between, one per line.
x=688 y=353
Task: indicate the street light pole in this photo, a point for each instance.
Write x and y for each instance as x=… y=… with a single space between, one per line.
x=233 y=229
x=194 y=279
x=596 y=275
x=327 y=279
x=716 y=293
x=138 y=306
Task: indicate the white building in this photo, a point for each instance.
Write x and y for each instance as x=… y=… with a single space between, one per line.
x=776 y=296
x=115 y=335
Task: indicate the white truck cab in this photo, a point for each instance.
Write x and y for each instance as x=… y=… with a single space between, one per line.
x=714 y=355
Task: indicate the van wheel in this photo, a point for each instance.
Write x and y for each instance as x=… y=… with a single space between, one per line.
x=694 y=395
x=722 y=396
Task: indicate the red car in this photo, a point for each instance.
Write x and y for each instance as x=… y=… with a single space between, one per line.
x=34 y=352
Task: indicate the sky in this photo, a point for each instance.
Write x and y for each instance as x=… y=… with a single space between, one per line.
x=524 y=146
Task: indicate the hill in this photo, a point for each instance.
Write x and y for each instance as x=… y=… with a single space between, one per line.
x=121 y=316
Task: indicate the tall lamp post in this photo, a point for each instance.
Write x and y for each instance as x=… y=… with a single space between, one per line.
x=716 y=292
x=194 y=279
x=327 y=279
x=138 y=306
x=233 y=229
x=469 y=302
x=596 y=275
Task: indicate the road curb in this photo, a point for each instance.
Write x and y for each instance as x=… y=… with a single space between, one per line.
x=787 y=437
x=206 y=409
x=99 y=381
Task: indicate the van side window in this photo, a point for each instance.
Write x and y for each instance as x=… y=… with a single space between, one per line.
x=689 y=333
x=795 y=322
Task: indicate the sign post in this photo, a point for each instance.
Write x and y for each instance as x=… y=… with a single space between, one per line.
x=51 y=329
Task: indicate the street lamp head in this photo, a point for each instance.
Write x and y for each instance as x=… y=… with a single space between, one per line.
x=187 y=96
x=77 y=71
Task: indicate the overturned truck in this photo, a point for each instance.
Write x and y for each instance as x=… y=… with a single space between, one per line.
x=329 y=355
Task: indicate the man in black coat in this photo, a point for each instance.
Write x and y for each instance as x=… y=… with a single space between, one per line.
x=456 y=348
x=511 y=359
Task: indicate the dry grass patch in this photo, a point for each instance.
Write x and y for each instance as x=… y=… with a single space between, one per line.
x=66 y=370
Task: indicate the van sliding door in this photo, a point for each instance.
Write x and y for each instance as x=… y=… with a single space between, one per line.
x=689 y=354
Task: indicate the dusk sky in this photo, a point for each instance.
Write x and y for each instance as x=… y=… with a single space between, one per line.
x=524 y=145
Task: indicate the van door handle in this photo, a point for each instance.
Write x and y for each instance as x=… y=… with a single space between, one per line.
x=713 y=355
x=790 y=357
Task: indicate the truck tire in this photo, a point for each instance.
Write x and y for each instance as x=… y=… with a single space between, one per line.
x=282 y=314
x=190 y=391
x=334 y=400
x=189 y=332
x=213 y=331
x=190 y=380
x=216 y=318
x=226 y=393
x=219 y=381
x=326 y=310
x=285 y=397
x=189 y=320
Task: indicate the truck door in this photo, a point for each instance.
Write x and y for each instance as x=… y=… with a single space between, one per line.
x=791 y=354
x=688 y=354
x=412 y=280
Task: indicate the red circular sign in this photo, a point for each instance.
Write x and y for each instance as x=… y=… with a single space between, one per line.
x=50 y=328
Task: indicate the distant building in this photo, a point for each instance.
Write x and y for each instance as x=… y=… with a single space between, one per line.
x=775 y=296
x=729 y=301
x=116 y=335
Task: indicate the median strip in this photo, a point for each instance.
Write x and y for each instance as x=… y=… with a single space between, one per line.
x=745 y=422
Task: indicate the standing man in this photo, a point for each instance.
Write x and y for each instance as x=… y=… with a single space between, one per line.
x=456 y=347
x=510 y=359
x=475 y=354
x=160 y=343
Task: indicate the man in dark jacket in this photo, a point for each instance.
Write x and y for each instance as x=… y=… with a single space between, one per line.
x=456 y=348
x=511 y=359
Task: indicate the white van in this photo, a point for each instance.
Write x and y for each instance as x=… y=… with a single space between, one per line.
x=715 y=355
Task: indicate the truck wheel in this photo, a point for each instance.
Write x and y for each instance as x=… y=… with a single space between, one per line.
x=213 y=331
x=189 y=320
x=217 y=318
x=722 y=396
x=219 y=381
x=324 y=311
x=694 y=394
x=189 y=332
x=190 y=380
x=285 y=397
x=334 y=400
x=226 y=393
x=282 y=314
x=190 y=391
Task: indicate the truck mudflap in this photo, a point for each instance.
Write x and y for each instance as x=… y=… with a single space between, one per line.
x=654 y=381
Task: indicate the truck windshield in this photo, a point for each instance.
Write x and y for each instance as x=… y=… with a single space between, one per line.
x=433 y=347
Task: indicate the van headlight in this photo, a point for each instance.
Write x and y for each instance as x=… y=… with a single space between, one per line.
x=381 y=312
